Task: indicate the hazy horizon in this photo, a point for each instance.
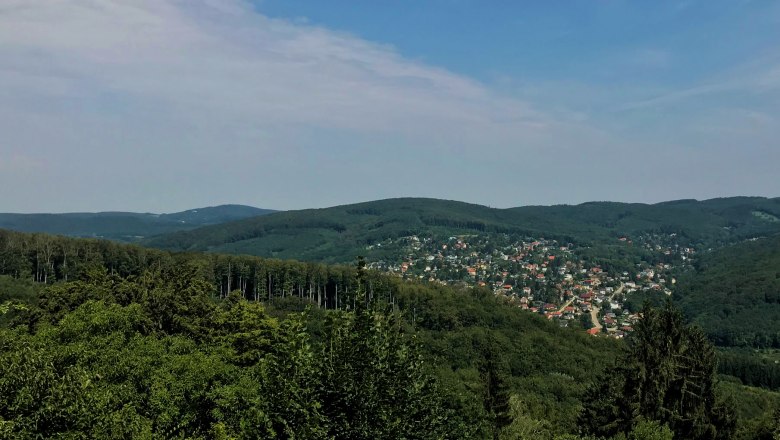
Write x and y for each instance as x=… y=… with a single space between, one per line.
x=99 y=211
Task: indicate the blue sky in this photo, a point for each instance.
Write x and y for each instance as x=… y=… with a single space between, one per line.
x=163 y=105
x=671 y=42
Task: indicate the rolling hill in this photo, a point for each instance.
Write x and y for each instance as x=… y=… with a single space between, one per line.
x=132 y=338
x=734 y=294
x=340 y=233
x=126 y=226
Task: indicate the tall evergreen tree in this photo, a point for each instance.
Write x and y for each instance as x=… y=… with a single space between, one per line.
x=667 y=375
x=496 y=397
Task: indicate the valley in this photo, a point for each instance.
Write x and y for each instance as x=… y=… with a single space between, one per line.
x=542 y=276
x=557 y=308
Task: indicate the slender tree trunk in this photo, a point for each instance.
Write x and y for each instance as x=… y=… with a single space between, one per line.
x=229 y=279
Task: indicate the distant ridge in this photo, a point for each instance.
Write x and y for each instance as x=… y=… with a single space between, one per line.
x=339 y=233
x=126 y=226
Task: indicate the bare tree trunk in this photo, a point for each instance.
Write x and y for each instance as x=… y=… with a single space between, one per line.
x=229 y=279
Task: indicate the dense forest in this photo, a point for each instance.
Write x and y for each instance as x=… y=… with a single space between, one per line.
x=337 y=234
x=126 y=226
x=102 y=340
x=734 y=294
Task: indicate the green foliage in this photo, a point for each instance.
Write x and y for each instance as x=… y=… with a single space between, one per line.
x=375 y=384
x=759 y=368
x=668 y=376
x=16 y=296
x=127 y=342
x=152 y=356
x=18 y=290
x=126 y=226
x=524 y=427
x=650 y=430
x=494 y=375
x=10 y=306
x=756 y=410
x=734 y=294
x=337 y=234
x=548 y=366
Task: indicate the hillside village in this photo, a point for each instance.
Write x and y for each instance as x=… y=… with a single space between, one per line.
x=544 y=276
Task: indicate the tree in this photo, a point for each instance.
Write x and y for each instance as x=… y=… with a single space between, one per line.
x=650 y=430
x=777 y=425
x=374 y=383
x=667 y=375
x=496 y=397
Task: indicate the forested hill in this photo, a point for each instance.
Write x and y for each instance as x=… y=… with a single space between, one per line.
x=126 y=226
x=339 y=233
x=734 y=293
x=106 y=340
x=162 y=348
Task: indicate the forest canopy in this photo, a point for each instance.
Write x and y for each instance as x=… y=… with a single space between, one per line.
x=101 y=340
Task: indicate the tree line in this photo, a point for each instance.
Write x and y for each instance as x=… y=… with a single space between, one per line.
x=47 y=259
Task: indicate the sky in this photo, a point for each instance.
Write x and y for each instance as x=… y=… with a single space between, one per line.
x=167 y=105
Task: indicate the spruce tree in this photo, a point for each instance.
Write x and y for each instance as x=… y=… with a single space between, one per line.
x=667 y=375
x=496 y=397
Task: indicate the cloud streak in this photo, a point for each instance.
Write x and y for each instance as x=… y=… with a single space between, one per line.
x=220 y=58
x=169 y=80
x=160 y=105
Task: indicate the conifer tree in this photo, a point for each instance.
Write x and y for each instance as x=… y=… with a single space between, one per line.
x=667 y=375
x=496 y=397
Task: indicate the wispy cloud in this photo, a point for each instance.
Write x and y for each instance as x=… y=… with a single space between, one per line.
x=118 y=81
x=760 y=76
x=222 y=59
x=168 y=104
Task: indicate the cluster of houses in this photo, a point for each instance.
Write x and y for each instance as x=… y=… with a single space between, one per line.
x=542 y=275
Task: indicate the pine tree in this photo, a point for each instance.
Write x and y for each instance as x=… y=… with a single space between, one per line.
x=667 y=375
x=496 y=397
